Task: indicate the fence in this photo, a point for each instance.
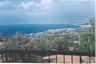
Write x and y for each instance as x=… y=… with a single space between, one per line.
x=34 y=56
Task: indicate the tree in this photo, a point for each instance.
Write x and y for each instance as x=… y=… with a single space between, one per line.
x=92 y=23
x=59 y=44
x=88 y=42
x=88 y=38
x=42 y=44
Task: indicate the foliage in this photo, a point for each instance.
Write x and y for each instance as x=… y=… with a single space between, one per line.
x=88 y=42
x=88 y=38
x=70 y=41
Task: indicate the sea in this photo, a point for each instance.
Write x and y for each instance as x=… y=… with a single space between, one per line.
x=32 y=28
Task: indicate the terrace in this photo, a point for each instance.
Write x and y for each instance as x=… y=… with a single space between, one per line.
x=36 y=56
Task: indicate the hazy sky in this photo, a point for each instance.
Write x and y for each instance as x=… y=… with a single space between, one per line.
x=45 y=11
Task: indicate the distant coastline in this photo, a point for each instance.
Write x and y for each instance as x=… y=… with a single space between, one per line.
x=32 y=28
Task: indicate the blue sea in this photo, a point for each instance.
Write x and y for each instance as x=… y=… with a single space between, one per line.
x=31 y=28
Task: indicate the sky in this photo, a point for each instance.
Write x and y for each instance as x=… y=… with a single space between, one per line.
x=46 y=11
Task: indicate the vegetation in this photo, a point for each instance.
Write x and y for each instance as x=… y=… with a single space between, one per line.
x=70 y=41
x=88 y=38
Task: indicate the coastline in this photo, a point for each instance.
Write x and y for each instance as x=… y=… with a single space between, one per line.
x=33 y=28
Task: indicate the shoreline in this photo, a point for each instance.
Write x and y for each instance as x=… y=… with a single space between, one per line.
x=24 y=29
